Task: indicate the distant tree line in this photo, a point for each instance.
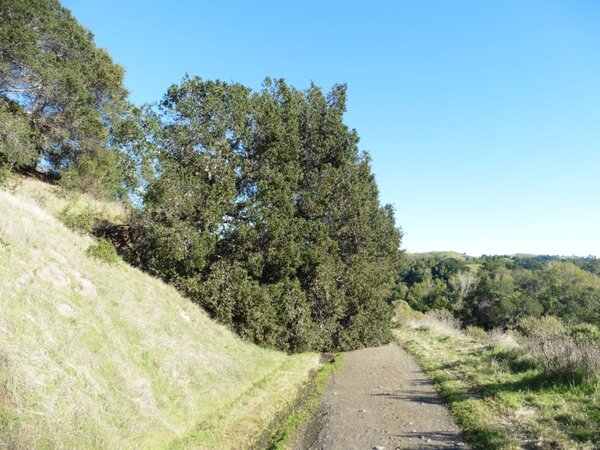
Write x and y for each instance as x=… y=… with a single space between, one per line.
x=499 y=291
x=259 y=206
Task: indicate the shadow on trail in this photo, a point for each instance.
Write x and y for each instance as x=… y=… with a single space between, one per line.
x=437 y=440
x=421 y=397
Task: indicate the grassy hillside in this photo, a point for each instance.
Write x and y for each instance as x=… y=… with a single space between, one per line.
x=103 y=356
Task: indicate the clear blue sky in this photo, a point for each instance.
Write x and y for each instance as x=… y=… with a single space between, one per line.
x=482 y=118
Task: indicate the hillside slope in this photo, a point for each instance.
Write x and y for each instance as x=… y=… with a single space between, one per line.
x=99 y=356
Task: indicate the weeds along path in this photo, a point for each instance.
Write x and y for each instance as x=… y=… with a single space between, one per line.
x=380 y=398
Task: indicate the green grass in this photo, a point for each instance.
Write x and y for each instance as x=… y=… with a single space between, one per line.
x=94 y=355
x=501 y=399
x=306 y=406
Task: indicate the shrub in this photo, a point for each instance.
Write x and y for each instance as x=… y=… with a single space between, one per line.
x=441 y=321
x=476 y=333
x=403 y=313
x=82 y=222
x=560 y=351
x=3 y=242
x=4 y=175
x=444 y=317
x=497 y=337
x=8 y=183
x=103 y=251
x=546 y=326
x=585 y=332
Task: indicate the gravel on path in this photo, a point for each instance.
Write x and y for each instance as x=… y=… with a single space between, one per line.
x=380 y=399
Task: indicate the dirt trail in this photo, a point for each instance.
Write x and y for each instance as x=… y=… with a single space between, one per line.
x=380 y=398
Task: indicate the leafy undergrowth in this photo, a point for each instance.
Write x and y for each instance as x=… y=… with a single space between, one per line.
x=96 y=355
x=500 y=398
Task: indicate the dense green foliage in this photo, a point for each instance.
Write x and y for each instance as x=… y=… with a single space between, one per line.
x=17 y=139
x=263 y=211
x=81 y=221
x=103 y=251
x=60 y=97
x=498 y=291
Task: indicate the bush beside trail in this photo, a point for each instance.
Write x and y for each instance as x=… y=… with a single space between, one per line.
x=557 y=349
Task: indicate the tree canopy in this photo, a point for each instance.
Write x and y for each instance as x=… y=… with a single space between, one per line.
x=264 y=211
x=60 y=95
x=499 y=291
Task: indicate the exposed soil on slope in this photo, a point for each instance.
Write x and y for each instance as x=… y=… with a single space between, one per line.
x=380 y=399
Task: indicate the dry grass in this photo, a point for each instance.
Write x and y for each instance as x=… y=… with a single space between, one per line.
x=499 y=338
x=100 y=356
x=562 y=355
x=439 y=321
x=55 y=200
x=404 y=314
